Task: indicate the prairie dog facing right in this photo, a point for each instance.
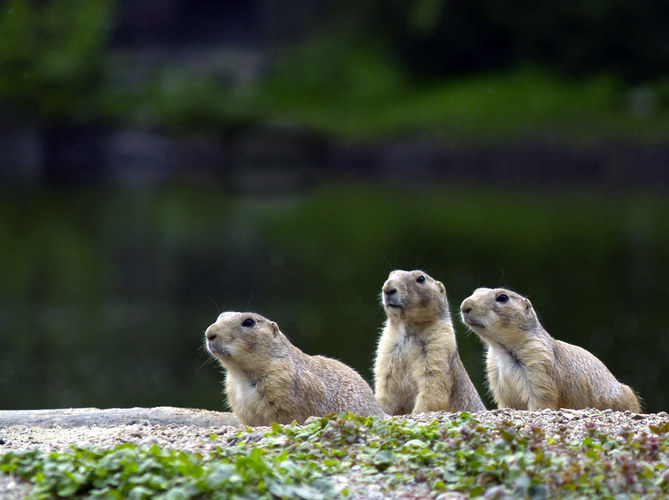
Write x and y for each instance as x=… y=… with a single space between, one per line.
x=530 y=370
x=418 y=367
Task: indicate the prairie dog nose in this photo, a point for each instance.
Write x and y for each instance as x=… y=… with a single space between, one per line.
x=466 y=306
x=389 y=288
x=210 y=335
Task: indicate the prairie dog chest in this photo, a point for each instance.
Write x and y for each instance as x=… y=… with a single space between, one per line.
x=243 y=388
x=509 y=375
x=248 y=397
x=405 y=353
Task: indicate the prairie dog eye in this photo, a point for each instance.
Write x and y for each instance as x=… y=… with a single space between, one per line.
x=248 y=323
x=502 y=297
x=420 y=279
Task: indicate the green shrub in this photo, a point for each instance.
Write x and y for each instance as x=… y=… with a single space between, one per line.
x=51 y=57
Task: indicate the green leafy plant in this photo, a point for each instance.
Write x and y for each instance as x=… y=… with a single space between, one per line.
x=129 y=471
x=448 y=454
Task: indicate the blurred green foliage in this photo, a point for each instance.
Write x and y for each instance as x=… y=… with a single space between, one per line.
x=467 y=71
x=361 y=93
x=358 y=95
x=51 y=57
x=105 y=294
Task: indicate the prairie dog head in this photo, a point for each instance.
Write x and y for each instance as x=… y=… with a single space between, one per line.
x=498 y=314
x=414 y=297
x=244 y=340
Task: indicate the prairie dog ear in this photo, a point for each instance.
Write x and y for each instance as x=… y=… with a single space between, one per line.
x=441 y=286
x=528 y=306
x=275 y=328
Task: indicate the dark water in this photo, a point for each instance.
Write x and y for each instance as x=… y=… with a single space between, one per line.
x=105 y=293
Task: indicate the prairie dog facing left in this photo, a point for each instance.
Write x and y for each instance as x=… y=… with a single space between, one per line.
x=270 y=380
x=530 y=370
x=418 y=367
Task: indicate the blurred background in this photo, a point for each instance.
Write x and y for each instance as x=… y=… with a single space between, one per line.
x=165 y=160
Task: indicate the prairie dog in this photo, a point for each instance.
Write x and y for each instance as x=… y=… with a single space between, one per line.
x=417 y=366
x=530 y=370
x=270 y=380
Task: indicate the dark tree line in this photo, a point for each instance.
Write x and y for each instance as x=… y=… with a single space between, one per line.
x=440 y=37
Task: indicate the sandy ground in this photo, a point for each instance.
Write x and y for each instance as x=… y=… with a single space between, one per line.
x=196 y=438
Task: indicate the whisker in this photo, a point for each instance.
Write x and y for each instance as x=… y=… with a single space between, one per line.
x=214 y=302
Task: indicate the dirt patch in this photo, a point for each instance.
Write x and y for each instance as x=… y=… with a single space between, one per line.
x=196 y=433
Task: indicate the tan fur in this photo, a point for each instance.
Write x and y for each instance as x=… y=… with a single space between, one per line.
x=530 y=370
x=270 y=380
x=417 y=366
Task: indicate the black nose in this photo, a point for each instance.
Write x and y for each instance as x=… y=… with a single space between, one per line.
x=211 y=336
x=390 y=291
x=467 y=310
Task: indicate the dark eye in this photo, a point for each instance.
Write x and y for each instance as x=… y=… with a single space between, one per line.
x=502 y=297
x=248 y=323
x=420 y=279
